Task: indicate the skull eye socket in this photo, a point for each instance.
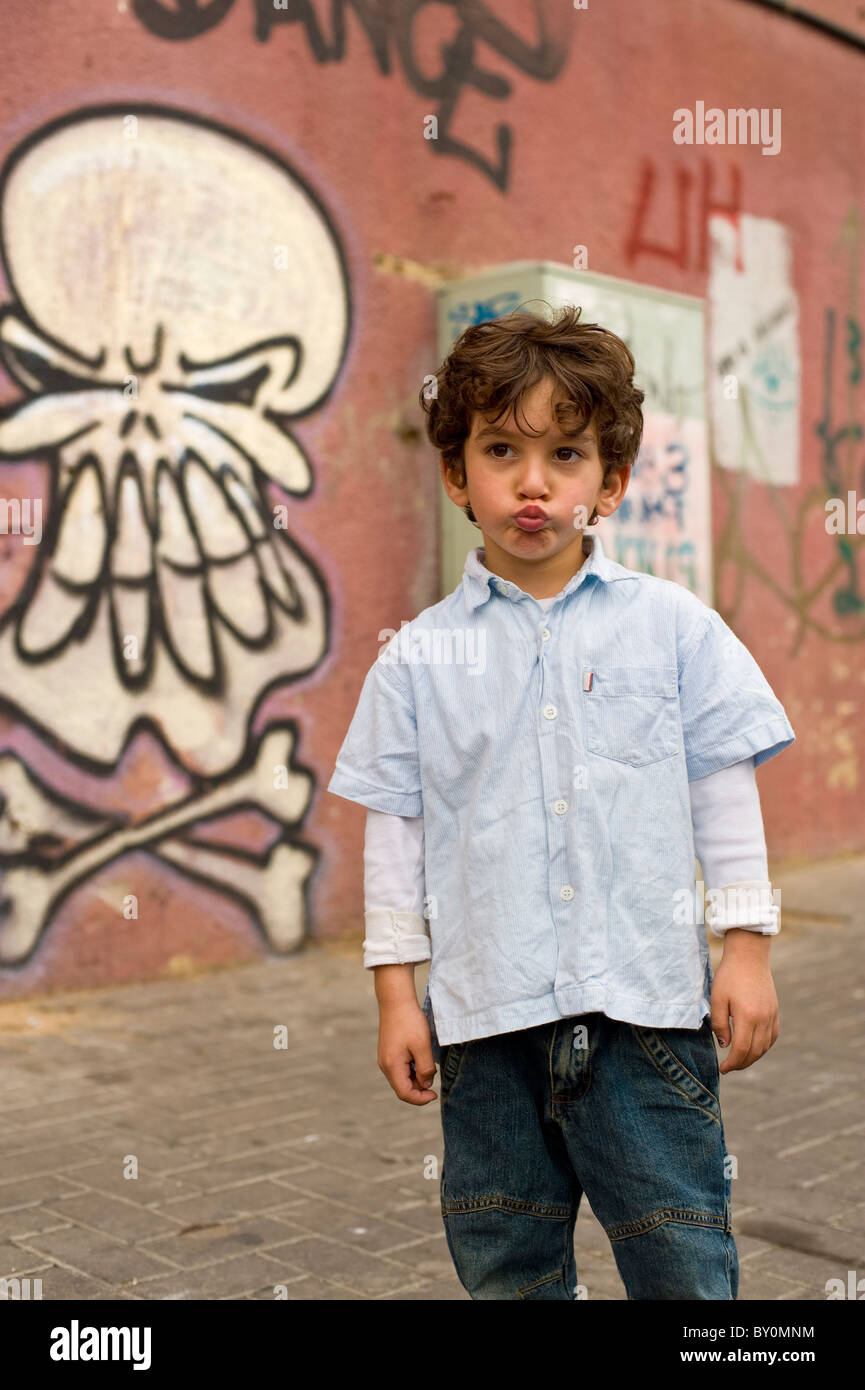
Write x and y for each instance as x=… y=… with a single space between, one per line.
x=41 y=373
x=243 y=391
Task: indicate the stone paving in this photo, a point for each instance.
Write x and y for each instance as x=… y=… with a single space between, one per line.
x=296 y=1166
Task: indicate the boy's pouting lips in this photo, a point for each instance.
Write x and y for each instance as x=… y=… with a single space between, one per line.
x=549 y=471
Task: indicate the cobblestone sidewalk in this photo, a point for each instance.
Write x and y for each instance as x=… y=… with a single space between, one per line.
x=259 y=1166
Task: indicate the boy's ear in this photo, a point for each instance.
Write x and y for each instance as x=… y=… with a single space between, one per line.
x=454 y=491
x=615 y=490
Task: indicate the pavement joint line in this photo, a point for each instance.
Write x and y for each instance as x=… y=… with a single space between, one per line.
x=821 y=1139
x=134 y=1206
x=297 y=1220
x=153 y=1138
x=406 y=1288
x=836 y=1173
x=794 y=1283
x=226 y=1256
x=52 y=1262
x=174 y=1197
x=335 y=1241
x=215 y=1160
x=48 y=1172
x=229 y=1222
x=244 y=1182
x=831 y=1104
x=410 y=1244
x=106 y=1236
x=80 y=1115
x=340 y=1284
x=238 y=1129
x=341 y=1172
x=55 y=1261
x=46 y=1231
x=223 y=1109
x=28 y=1272
x=86 y=1189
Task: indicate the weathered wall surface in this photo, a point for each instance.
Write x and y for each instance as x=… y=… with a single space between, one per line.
x=221 y=226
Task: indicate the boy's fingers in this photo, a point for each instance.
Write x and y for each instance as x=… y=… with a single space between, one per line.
x=763 y=1040
x=403 y=1083
x=411 y=1080
x=720 y=1019
x=742 y=1040
x=424 y=1067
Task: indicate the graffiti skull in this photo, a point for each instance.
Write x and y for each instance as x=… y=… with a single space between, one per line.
x=177 y=297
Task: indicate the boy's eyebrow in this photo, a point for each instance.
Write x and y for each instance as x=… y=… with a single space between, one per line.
x=514 y=434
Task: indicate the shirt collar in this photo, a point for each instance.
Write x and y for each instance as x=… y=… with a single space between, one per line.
x=478 y=581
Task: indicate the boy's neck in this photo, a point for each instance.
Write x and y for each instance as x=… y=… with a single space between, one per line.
x=542 y=578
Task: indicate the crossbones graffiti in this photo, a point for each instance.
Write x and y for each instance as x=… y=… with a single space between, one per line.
x=177 y=298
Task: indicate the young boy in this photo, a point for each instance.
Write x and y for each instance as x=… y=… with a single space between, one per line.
x=542 y=753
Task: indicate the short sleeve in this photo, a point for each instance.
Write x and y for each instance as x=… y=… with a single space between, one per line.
x=729 y=710
x=378 y=763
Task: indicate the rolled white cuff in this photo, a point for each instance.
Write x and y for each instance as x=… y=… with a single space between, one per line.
x=394 y=938
x=747 y=904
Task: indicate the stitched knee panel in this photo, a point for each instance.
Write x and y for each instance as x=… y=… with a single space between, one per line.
x=506 y=1248
x=674 y=1253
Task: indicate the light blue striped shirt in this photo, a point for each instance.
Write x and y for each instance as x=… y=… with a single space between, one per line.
x=549 y=753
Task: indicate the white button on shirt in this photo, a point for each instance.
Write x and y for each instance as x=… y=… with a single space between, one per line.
x=535 y=915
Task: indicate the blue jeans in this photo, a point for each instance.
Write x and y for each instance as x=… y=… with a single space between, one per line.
x=627 y=1114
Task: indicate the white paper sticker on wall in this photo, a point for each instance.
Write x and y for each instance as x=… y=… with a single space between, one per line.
x=662 y=525
x=754 y=349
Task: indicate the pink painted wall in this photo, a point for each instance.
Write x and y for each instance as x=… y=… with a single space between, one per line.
x=560 y=133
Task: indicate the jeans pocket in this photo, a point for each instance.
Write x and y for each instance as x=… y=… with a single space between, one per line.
x=451 y=1057
x=686 y=1057
x=632 y=714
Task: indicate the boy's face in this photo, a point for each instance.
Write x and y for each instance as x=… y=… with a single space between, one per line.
x=557 y=473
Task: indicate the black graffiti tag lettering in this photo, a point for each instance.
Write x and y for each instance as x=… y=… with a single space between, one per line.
x=391 y=26
x=182 y=19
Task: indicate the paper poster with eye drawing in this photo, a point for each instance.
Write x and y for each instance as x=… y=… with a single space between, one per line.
x=176 y=296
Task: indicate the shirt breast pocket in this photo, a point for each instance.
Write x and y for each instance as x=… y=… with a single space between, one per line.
x=632 y=713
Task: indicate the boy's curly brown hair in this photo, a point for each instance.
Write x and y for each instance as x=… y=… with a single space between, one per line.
x=493 y=364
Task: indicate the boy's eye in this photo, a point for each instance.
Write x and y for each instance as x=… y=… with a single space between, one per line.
x=565 y=449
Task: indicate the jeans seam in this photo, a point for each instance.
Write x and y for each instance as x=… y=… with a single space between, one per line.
x=550 y=1062
x=521 y=1206
x=683 y=1216
x=547 y=1279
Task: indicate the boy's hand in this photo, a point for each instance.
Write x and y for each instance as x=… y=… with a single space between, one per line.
x=404 y=1038
x=743 y=989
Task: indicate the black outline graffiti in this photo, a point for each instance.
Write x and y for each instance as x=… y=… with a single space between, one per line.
x=38 y=852
x=387 y=22
x=814 y=20
x=214 y=684
x=198 y=787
